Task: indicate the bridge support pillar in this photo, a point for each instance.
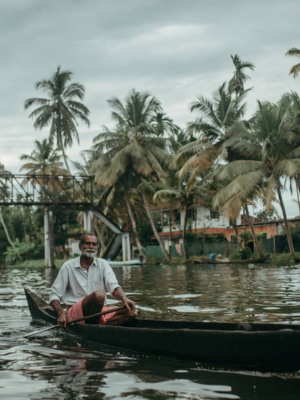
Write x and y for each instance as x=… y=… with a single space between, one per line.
x=48 y=237
x=126 y=246
x=87 y=221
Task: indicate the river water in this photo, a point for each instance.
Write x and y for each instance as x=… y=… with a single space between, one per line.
x=54 y=365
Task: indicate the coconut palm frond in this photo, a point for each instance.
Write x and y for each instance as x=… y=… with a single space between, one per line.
x=60 y=110
x=293 y=52
x=289 y=168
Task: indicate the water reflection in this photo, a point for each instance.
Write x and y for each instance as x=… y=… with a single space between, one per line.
x=57 y=366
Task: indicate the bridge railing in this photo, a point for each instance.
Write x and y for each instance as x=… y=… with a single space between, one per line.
x=45 y=189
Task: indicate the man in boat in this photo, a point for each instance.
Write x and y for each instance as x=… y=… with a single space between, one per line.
x=81 y=285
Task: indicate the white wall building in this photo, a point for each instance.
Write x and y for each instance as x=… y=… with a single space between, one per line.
x=203 y=220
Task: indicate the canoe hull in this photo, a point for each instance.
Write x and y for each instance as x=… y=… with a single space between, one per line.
x=268 y=347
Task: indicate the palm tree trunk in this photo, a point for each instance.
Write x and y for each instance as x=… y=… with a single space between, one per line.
x=8 y=236
x=236 y=234
x=65 y=159
x=133 y=223
x=261 y=254
x=170 y=230
x=184 y=232
x=60 y=141
x=297 y=191
x=147 y=208
x=287 y=228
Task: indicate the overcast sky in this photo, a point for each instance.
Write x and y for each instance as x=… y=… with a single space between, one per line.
x=174 y=49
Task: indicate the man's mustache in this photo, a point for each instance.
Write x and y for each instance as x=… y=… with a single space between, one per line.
x=89 y=252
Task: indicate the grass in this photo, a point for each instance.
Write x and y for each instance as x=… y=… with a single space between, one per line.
x=283 y=259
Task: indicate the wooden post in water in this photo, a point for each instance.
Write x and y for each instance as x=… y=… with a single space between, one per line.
x=48 y=238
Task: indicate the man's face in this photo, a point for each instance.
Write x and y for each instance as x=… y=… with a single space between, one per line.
x=90 y=246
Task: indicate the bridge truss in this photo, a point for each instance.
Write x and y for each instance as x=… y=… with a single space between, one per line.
x=47 y=190
x=51 y=191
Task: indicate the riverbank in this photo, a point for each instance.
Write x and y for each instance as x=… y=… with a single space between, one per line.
x=283 y=259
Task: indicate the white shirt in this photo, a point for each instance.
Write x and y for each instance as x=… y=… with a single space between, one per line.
x=73 y=282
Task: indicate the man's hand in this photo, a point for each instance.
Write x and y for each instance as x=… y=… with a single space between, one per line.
x=62 y=319
x=62 y=315
x=130 y=305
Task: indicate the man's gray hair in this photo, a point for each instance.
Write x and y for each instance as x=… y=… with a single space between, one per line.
x=82 y=238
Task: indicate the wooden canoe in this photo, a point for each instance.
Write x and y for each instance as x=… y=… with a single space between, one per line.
x=256 y=346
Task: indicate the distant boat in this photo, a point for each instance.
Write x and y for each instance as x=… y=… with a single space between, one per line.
x=206 y=260
x=124 y=263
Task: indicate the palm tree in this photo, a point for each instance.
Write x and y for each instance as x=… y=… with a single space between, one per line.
x=60 y=111
x=115 y=199
x=133 y=150
x=231 y=205
x=236 y=83
x=215 y=128
x=184 y=195
x=295 y=68
x=163 y=124
x=140 y=158
x=274 y=155
x=43 y=160
x=292 y=102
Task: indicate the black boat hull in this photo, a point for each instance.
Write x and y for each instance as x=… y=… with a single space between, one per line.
x=263 y=347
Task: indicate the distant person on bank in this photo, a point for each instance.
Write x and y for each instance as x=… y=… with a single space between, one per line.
x=81 y=285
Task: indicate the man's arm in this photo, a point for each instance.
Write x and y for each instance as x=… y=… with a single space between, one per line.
x=111 y=285
x=57 y=291
x=120 y=295
x=62 y=315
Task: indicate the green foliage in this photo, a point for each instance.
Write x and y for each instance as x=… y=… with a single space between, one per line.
x=64 y=221
x=245 y=252
x=295 y=232
x=144 y=229
x=43 y=160
x=266 y=215
x=199 y=237
x=6 y=213
x=260 y=236
x=245 y=236
x=215 y=238
x=23 y=249
x=283 y=259
x=235 y=256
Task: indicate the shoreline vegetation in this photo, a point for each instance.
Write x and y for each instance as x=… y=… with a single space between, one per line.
x=284 y=259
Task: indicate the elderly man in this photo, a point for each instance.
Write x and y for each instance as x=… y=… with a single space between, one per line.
x=82 y=284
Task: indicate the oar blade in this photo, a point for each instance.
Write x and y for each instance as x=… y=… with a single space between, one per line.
x=40 y=331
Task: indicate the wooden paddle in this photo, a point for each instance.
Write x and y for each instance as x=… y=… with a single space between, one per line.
x=77 y=320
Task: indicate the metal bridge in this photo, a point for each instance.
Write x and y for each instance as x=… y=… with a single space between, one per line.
x=45 y=190
x=64 y=190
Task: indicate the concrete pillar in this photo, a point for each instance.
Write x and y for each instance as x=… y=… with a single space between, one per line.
x=87 y=221
x=126 y=246
x=48 y=238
